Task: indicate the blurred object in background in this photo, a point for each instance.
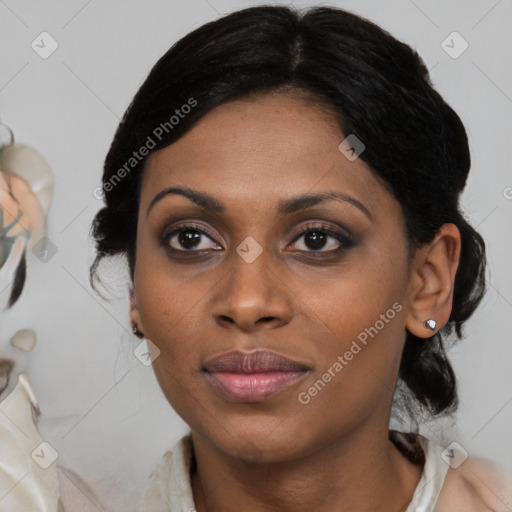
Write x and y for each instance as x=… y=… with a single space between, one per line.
x=29 y=478
x=26 y=187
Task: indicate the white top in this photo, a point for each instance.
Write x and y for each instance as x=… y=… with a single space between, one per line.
x=28 y=474
x=31 y=478
x=476 y=484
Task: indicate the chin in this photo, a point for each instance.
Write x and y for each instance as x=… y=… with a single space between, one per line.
x=260 y=440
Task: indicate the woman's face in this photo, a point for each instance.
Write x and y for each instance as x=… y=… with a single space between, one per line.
x=244 y=278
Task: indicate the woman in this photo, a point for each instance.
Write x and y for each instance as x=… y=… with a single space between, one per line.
x=285 y=187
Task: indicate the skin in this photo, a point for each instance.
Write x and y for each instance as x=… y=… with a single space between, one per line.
x=280 y=454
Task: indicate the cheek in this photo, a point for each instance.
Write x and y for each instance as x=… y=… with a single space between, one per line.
x=167 y=299
x=356 y=373
x=170 y=314
x=359 y=293
x=172 y=309
x=360 y=311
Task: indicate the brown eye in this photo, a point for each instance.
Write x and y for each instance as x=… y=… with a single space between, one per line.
x=189 y=237
x=322 y=239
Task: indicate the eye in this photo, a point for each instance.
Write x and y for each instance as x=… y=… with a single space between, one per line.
x=190 y=237
x=321 y=237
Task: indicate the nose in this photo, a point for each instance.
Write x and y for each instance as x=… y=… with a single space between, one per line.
x=252 y=296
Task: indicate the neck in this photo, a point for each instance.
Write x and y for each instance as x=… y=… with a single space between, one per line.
x=361 y=471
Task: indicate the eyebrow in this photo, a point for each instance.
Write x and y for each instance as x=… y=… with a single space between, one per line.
x=285 y=206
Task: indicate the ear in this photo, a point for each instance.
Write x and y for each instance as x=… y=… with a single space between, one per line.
x=432 y=281
x=134 y=311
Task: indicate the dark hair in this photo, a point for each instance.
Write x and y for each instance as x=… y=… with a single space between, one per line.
x=380 y=91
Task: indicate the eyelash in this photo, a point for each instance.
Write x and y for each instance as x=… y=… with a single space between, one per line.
x=346 y=241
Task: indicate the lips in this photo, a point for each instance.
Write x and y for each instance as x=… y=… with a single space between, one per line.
x=253 y=362
x=253 y=376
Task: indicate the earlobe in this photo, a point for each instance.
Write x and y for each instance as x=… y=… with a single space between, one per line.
x=135 y=315
x=432 y=282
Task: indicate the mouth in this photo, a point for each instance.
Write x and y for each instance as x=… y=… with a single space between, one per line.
x=253 y=376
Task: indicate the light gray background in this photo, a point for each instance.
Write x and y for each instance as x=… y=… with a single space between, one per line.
x=102 y=409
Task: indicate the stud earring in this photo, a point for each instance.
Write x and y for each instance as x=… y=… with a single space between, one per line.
x=430 y=324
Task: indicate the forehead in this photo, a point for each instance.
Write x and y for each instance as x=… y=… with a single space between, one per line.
x=258 y=150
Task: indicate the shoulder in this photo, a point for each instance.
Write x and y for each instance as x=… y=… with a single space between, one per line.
x=478 y=485
x=169 y=486
x=76 y=495
x=175 y=462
